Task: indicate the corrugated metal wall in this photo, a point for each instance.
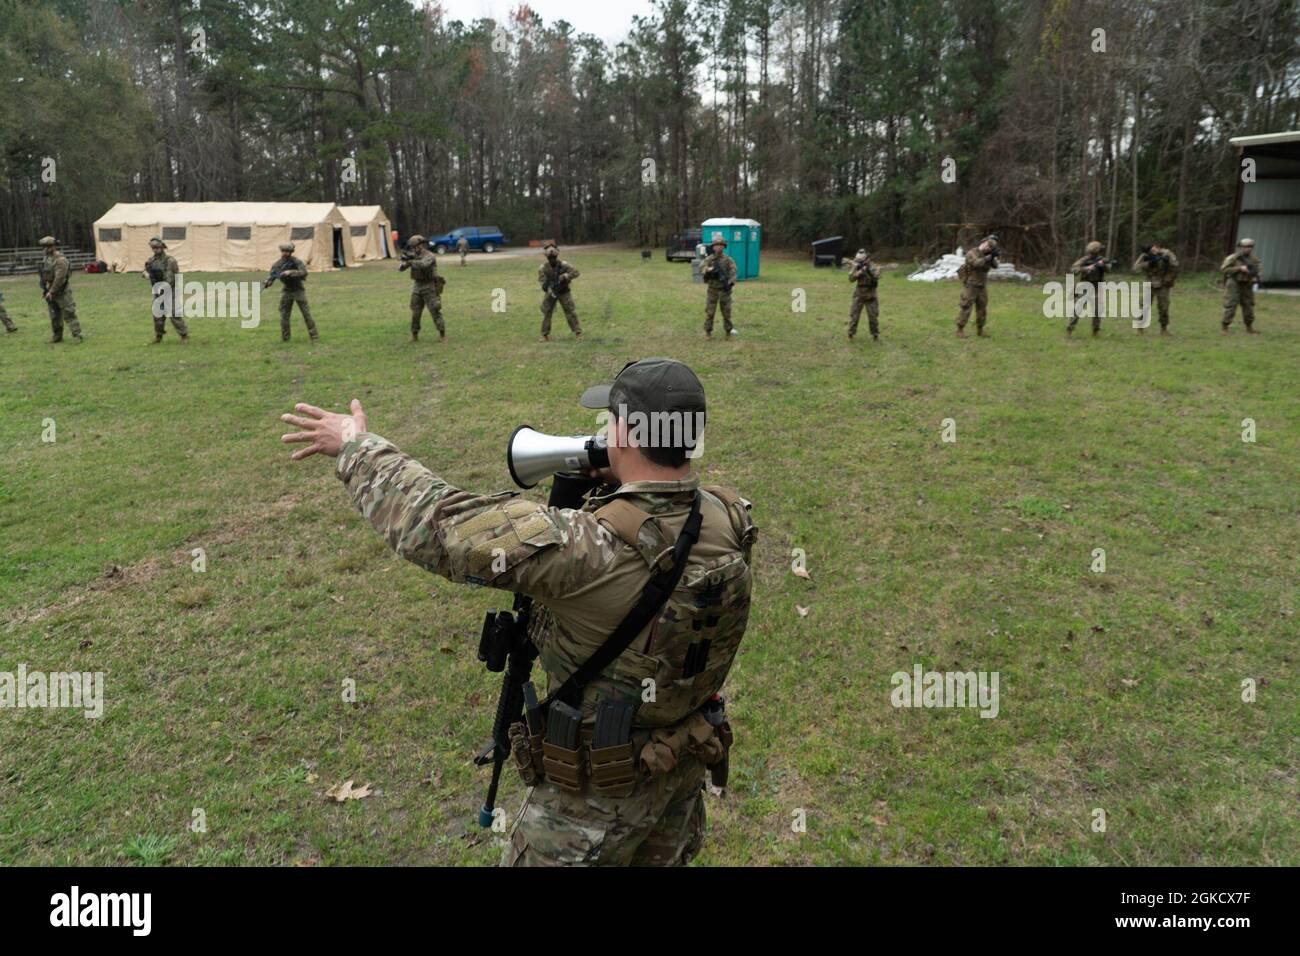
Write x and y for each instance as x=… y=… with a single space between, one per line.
x=1277 y=236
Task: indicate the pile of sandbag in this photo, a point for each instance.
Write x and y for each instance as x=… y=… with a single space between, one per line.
x=946 y=266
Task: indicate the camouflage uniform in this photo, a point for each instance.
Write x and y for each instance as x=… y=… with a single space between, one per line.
x=7 y=322
x=163 y=268
x=292 y=289
x=462 y=246
x=586 y=568
x=719 y=271
x=1089 y=273
x=866 y=276
x=1239 y=287
x=550 y=272
x=54 y=285
x=974 y=275
x=424 y=289
x=1161 y=275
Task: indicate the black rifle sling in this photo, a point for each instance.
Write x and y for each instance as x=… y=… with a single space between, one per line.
x=657 y=591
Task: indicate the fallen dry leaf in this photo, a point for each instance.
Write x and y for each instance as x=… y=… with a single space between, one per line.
x=803 y=611
x=802 y=573
x=345 y=791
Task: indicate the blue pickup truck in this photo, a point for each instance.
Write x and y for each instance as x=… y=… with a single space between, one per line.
x=480 y=239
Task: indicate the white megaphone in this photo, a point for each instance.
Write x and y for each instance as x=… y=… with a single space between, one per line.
x=532 y=455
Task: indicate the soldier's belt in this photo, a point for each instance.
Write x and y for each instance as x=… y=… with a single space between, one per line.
x=615 y=770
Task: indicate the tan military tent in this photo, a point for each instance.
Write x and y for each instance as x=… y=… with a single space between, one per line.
x=223 y=236
x=368 y=229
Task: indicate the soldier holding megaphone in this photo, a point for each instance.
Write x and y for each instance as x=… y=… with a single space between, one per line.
x=644 y=593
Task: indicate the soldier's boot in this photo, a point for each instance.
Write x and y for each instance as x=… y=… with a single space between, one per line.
x=979 y=330
x=185 y=340
x=1164 y=330
x=578 y=334
x=1096 y=332
x=10 y=327
x=415 y=335
x=1251 y=330
x=545 y=338
x=1223 y=330
x=442 y=335
x=875 y=336
x=961 y=333
x=157 y=337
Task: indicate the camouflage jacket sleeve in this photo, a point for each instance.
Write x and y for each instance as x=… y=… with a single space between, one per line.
x=297 y=270
x=170 y=270
x=500 y=540
x=1078 y=267
x=729 y=268
x=1140 y=263
x=977 y=261
x=1172 y=271
x=541 y=274
x=1230 y=265
x=571 y=272
x=60 y=279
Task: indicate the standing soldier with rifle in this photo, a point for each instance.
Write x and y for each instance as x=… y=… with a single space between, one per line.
x=1160 y=267
x=719 y=271
x=292 y=273
x=462 y=246
x=161 y=270
x=1089 y=274
x=1240 y=273
x=426 y=285
x=554 y=275
x=866 y=275
x=57 y=292
x=974 y=276
x=642 y=598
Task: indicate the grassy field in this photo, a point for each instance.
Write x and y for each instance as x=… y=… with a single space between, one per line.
x=1120 y=691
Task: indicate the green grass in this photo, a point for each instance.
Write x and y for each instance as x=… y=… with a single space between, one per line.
x=224 y=690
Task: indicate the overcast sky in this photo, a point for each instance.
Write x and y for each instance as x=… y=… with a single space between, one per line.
x=608 y=19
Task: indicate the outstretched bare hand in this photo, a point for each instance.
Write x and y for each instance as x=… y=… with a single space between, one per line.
x=322 y=431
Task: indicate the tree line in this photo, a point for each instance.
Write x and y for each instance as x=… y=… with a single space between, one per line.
x=903 y=125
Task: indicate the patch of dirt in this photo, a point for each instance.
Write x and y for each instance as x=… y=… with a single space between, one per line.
x=147 y=569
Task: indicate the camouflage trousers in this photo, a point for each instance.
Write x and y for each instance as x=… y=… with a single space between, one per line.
x=160 y=319
x=868 y=299
x=717 y=297
x=7 y=322
x=287 y=298
x=977 y=296
x=1161 y=295
x=462 y=258
x=1083 y=306
x=1238 y=293
x=570 y=312
x=63 y=310
x=423 y=297
x=660 y=824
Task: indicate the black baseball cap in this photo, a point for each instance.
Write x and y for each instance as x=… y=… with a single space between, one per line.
x=648 y=386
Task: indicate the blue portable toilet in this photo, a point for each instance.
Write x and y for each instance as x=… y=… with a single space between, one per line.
x=743 y=238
